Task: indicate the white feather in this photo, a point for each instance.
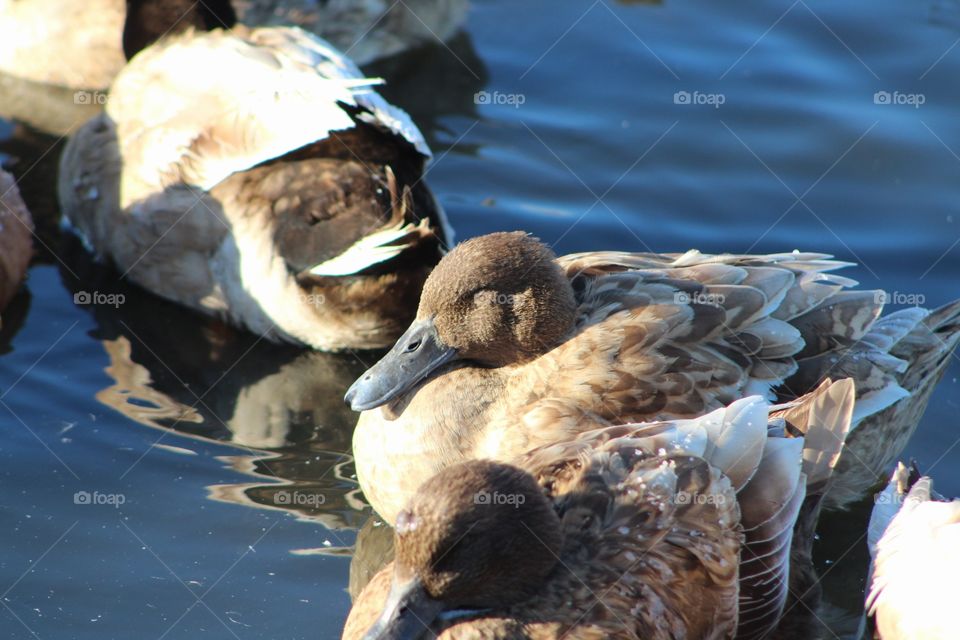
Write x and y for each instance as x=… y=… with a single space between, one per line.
x=367 y=251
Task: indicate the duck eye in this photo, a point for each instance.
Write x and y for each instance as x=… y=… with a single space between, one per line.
x=413 y=346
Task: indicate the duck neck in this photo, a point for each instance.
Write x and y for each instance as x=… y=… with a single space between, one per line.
x=149 y=20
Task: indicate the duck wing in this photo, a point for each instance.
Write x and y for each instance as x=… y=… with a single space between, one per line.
x=676 y=335
x=671 y=488
x=198 y=107
x=896 y=365
x=654 y=533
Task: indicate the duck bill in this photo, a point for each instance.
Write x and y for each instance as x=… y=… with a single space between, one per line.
x=407 y=612
x=417 y=354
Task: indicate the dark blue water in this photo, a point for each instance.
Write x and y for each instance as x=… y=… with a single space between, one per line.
x=628 y=126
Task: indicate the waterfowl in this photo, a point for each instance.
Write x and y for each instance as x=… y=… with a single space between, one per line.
x=16 y=238
x=513 y=348
x=256 y=175
x=78 y=44
x=913 y=537
x=677 y=529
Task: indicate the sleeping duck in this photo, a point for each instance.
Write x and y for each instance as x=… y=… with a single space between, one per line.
x=255 y=174
x=914 y=536
x=78 y=44
x=513 y=348
x=16 y=238
x=678 y=529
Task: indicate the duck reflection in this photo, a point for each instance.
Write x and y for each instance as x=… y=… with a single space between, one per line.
x=172 y=369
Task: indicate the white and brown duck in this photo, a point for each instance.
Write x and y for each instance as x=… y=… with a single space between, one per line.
x=255 y=174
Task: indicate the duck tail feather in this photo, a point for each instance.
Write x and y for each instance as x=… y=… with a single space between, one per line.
x=896 y=366
x=769 y=504
x=824 y=418
x=818 y=423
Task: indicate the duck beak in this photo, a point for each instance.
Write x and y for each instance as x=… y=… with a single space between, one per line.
x=417 y=354
x=407 y=612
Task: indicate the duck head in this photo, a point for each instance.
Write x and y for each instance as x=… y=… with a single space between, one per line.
x=149 y=20
x=477 y=536
x=493 y=300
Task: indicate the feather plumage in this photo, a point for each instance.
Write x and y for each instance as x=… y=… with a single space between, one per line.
x=256 y=174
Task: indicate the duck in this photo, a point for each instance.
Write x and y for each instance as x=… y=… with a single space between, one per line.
x=513 y=348
x=79 y=44
x=913 y=537
x=16 y=238
x=674 y=529
x=255 y=175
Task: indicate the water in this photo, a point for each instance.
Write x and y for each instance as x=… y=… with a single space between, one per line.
x=579 y=139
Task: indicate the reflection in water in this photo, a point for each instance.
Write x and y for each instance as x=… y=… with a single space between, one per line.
x=131 y=393
x=172 y=369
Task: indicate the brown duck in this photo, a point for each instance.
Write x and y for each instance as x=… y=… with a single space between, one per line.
x=678 y=529
x=513 y=348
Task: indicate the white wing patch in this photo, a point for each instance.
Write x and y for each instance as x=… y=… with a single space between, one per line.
x=372 y=249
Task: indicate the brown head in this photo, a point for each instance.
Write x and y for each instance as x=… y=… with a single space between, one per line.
x=477 y=536
x=494 y=300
